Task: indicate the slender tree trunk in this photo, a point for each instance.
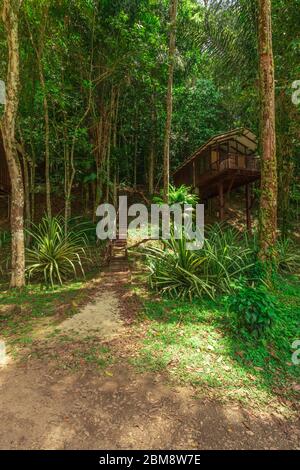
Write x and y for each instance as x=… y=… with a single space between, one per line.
x=27 y=163
x=32 y=190
x=26 y=192
x=151 y=161
x=10 y=13
x=172 y=45
x=151 y=169
x=47 y=139
x=110 y=134
x=67 y=178
x=32 y=182
x=268 y=199
x=135 y=161
x=39 y=54
x=285 y=163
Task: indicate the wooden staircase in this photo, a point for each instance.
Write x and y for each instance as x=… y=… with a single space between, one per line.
x=119 y=256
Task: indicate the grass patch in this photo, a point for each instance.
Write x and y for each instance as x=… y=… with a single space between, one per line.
x=29 y=325
x=197 y=343
x=21 y=311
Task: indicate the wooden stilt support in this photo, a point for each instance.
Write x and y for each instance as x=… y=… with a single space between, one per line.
x=221 y=201
x=230 y=187
x=248 y=208
x=194 y=175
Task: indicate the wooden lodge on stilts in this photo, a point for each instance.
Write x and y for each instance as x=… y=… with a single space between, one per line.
x=226 y=162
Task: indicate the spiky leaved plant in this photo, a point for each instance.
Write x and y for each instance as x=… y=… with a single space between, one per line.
x=54 y=254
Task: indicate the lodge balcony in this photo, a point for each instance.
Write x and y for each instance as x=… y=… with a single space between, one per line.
x=232 y=171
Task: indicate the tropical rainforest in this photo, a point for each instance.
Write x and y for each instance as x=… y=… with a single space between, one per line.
x=101 y=98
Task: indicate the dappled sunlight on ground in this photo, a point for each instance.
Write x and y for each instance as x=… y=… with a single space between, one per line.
x=59 y=410
x=174 y=376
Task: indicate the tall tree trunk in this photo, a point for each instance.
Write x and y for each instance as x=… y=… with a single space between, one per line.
x=10 y=16
x=110 y=136
x=285 y=163
x=151 y=169
x=135 y=161
x=151 y=161
x=39 y=54
x=172 y=44
x=268 y=198
x=47 y=138
x=26 y=163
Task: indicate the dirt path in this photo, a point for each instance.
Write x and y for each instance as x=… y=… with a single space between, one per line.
x=44 y=406
x=100 y=317
x=125 y=411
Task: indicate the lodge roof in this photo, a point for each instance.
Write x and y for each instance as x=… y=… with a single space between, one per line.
x=240 y=135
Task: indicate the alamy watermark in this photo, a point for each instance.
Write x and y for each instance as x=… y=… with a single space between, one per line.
x=2 y=92
x=296 y=93
x=163 y=222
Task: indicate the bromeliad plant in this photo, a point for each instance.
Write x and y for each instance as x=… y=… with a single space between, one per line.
x=221 y=264
x=176 y=271
x=181 y=195
x=230 y=256
x=54 y=254
x=224 y=260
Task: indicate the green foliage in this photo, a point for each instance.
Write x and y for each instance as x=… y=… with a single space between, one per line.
x=5 y=238
x=230 y=256
x=199 y=114
x=85 y=227
x=218 y=267
x=176 y=271
x=255 y=310
x=200 y=343
x=54 y=254
x=288 y=257
x=181 y=195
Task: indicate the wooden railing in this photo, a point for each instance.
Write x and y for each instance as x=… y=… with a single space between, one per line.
x=236 y=162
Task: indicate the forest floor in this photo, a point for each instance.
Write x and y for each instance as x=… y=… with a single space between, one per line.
x=70 y=384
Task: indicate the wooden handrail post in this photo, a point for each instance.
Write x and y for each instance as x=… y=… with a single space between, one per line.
x=248 y=206
x=221 y=201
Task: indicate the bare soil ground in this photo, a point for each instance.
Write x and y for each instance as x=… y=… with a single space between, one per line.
x=125 y=411
x=101 y=317
x=48 y=403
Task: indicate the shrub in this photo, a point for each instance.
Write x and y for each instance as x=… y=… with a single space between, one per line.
x=224 y=259
x=255 y=310
x=288 y=257
x=177 y=271
x=53 y=254
x=229 y=255
x=181 y=195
